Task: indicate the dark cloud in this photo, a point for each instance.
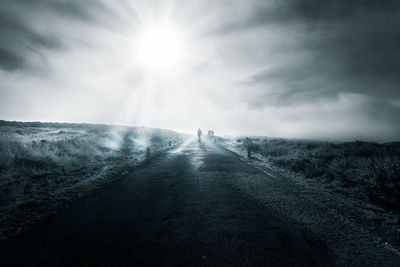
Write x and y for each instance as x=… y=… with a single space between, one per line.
x=17 y=39
x=353 y=47
x=314 y=10
x=9 y=60
x=20 y=39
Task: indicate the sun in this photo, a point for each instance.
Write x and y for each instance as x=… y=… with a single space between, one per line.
x=160 y=47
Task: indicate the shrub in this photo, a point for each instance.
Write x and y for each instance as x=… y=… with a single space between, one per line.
x=156 y=139
x=250 y=146
x=386 y=174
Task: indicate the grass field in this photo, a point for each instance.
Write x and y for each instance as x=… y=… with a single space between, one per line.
x=45 y=165
x=366 y=170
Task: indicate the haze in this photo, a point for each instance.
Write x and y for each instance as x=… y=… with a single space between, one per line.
x=302 y=69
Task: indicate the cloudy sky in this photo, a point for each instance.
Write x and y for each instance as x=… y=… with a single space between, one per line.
x=287 y=68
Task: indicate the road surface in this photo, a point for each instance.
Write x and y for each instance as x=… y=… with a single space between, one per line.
x=180 y=208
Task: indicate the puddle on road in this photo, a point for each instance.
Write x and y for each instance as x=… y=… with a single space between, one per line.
x=181 y=151
x=194 y=150
x=197 y=161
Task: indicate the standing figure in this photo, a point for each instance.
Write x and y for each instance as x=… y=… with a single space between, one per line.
x=199 y=135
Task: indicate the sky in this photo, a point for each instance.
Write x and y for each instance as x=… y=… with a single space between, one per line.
x=288 y=68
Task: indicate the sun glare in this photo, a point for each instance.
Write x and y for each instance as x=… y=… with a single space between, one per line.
x=160 y=47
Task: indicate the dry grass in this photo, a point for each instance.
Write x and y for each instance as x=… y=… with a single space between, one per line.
x=42 y=165
x=370 y=170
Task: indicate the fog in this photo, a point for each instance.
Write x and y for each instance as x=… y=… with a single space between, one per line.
x=301 y=69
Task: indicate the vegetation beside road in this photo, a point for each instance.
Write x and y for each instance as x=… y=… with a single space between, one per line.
x=367 y=170
x=43 y=165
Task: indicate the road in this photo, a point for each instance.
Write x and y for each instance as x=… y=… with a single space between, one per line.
x=179 y=208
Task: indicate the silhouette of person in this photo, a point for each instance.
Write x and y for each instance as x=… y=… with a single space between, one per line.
x=199 y=134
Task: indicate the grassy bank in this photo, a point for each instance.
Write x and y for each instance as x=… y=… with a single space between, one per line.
x=368 y=171
x=44 y=165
